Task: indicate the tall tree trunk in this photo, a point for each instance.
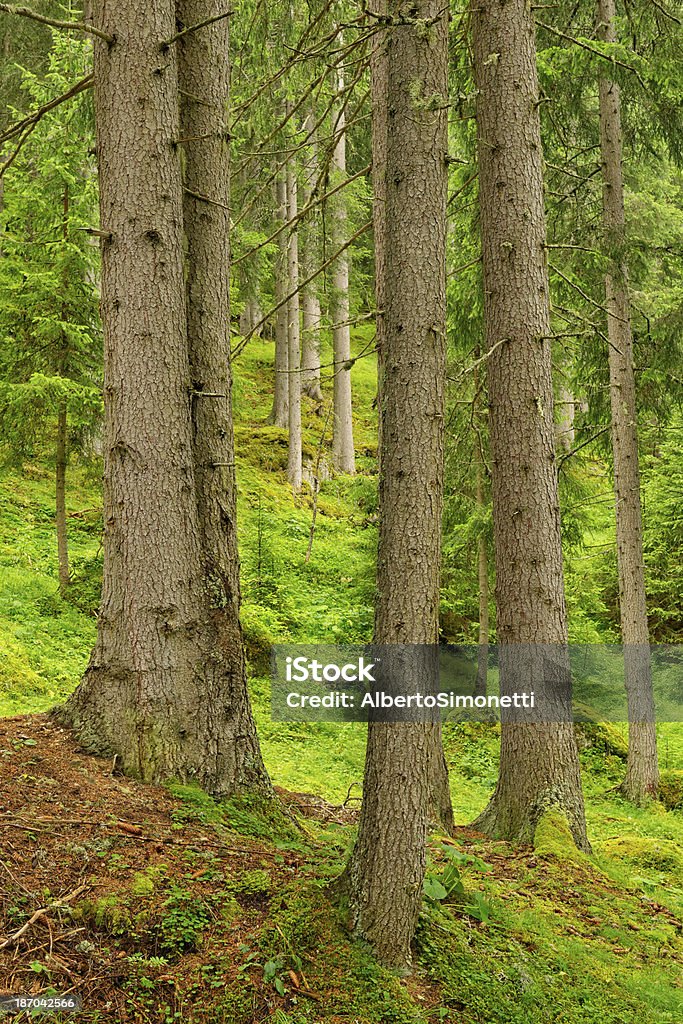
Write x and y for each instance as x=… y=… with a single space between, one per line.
x=539 y=763
x=343 y=458
x=564 y=428
x=387 y=866
x=380 y=121
x=62 y=443
x=310 y=300
x=294 y=462
x=152 y=693
x=482 y=564
x=204 y=81
x=642 y=772
x=280 y=413
x=61 y=459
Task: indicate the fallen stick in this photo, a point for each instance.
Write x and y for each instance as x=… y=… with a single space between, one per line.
x=41 y=913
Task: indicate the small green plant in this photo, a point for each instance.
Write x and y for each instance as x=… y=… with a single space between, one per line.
x=185 y=919
x=441 y=885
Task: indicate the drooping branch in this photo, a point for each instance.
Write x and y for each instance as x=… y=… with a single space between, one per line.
x=30 y=121
x=596 y=51
x=65 y=26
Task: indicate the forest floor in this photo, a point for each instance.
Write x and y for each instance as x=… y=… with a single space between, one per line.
x=160 y=905
x=194 y=911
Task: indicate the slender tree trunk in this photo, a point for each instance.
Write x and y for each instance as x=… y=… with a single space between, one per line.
x=642 y=772
x=380 y=120
x=343 y=458
x=564 y=428
x=310 y=300
x=61 y=459
x=483 y=577
x=204 y=73
x=280 y=414
x=62 y=443
x=387 y=866
x=152 y=694
x=539 y=763
x=294 y=463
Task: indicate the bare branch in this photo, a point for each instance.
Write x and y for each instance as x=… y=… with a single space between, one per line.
x=193 y=28
x=31 y=120
x=302 y=213
x=302 y=284
x=66 y=26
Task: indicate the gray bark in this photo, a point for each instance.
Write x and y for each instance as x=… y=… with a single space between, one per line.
x=294 y=461
x=539 y=763
x=642 y=770
x=310 y=300
x=280 y=413
x=564 y=427
x=387 y=866
x=343 y=458
x=62 y=445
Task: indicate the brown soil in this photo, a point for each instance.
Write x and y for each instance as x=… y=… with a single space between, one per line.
x=75 y=839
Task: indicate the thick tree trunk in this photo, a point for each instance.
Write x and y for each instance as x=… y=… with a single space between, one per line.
x=310 y=300
x=642 y=772
x=204 y=79
x=343 y=458
x=294 y=461
x=280 y=414
x=152 y=694
x=387 y=866
x=539 y=763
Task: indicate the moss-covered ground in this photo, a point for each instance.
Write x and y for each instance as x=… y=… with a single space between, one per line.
x=522 y=936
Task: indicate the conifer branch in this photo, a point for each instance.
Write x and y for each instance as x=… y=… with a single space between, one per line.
x=65 y=26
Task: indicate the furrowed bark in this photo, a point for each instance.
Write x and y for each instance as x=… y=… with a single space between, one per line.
x=539 y=764
x=387 y=866
x=153 y=693
x=204 y=71
x=642 y=769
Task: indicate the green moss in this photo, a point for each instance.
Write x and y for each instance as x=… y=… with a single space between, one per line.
x=196 y=805
x=643 y=851
x=553 y=838
x=601 y=736
x=252 y=883
x=671 y=790
x=110 y=914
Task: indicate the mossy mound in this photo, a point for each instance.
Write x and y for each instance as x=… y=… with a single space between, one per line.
x=553 y=838
x=601 y=736
x=671 y=790
x=643 y=852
